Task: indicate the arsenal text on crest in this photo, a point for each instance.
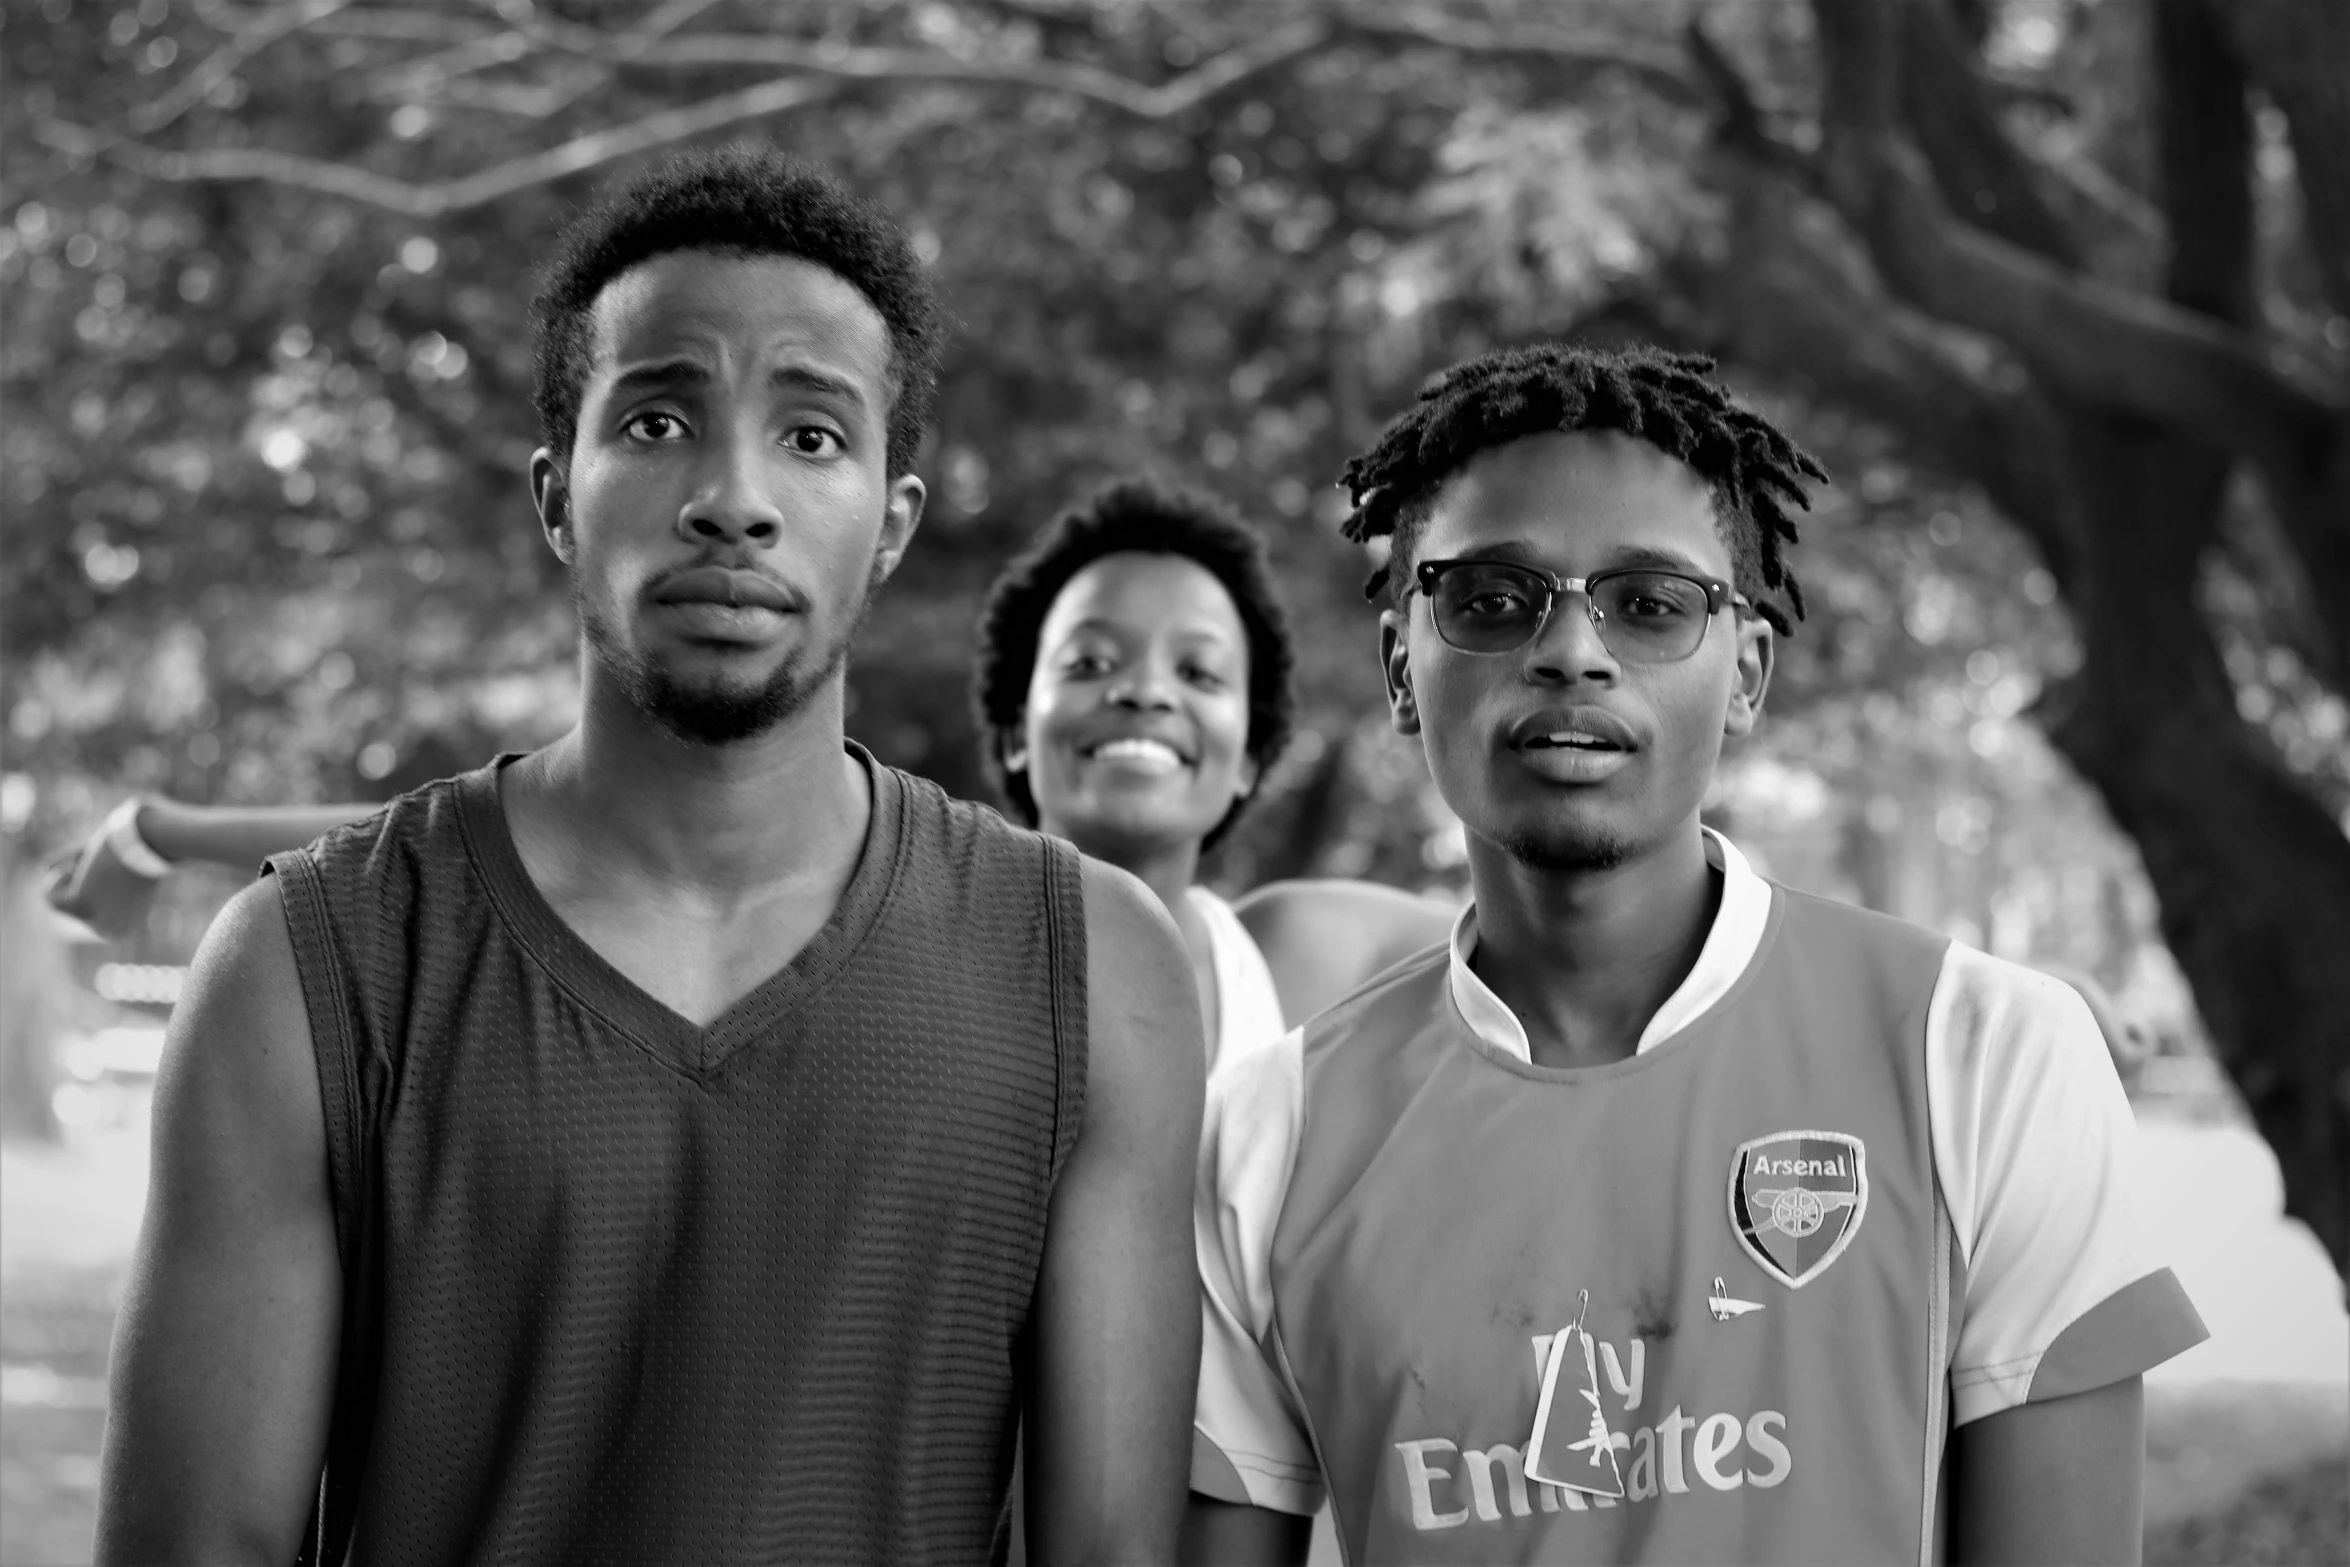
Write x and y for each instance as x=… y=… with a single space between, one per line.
x=1797 y=1199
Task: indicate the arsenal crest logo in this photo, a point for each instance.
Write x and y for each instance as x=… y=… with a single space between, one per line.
x=1796 y=1201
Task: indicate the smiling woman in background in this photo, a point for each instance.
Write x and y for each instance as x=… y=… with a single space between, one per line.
x=1132 y=679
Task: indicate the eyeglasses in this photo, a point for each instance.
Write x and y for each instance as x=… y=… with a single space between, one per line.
x=1642 y=616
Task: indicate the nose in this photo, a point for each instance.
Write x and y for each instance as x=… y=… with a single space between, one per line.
x=1569 y=647
x=731 y=502
x=1144 y=687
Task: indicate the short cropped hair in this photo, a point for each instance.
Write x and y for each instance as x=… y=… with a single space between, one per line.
x=1134 y=516
x=1666 y=399
x=737 y=201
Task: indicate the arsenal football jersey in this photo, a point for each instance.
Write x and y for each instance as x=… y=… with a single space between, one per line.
x=1721 y=1301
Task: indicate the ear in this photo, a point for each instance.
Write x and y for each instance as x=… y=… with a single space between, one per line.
x=1011 y=749
x=1395 y=663
x=1757 y=656
x=1249 y=774
x=548 y=495
x=900 y=516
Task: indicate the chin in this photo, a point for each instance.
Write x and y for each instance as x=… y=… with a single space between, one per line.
x=1566 y=845
x=705 y=707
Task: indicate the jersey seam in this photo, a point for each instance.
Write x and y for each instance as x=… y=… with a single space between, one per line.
x=1968 y=1375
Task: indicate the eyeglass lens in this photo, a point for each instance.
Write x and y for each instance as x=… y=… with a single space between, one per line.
x=1645 y=617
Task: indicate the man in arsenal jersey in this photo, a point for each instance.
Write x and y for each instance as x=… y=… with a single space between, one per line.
x=1663 y=1214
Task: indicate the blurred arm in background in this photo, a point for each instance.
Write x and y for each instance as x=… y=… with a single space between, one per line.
x=109 y=880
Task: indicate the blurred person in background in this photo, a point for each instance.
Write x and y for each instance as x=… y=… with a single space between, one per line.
x=1664 y=1214
x=1132 y=677
x=693 y=1141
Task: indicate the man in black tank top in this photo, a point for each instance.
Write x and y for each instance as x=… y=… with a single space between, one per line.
x=693 y=1141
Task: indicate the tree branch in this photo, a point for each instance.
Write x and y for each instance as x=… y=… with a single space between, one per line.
x=1978 y=169
x=1660 y=71
x=1792 y=293
x=2299 y=53
x=855 y=63
x=2120 y=350
x=248 y=41
x=2115 y=349
x=400 y=24
x=430 y=201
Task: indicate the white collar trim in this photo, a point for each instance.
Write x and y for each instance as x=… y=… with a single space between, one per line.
x=1729 y=947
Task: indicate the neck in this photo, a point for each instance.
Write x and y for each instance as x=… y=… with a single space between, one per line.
x=725 y=819
x=1586 y=957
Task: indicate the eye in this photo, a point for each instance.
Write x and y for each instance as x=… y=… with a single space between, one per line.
x=814 y=440
x=1205 y=678
x=1653 y=598
x=654 y=425
x=1493 y=601
x=1085 y=666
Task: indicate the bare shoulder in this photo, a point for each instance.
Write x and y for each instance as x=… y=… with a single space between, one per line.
x=1322 y=939
x=1142 y=1006
x=224 y=1354
x=239 y=1081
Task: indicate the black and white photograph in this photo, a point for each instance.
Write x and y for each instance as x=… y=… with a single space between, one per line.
x=1174 y=781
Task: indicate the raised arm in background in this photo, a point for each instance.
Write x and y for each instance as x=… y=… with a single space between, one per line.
x=108 y=880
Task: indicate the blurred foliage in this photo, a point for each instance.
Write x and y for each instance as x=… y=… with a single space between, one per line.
x=267 y=536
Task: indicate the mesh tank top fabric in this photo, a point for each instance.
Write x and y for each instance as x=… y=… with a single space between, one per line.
x=619 y=1289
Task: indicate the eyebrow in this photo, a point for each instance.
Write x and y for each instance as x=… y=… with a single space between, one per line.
x=1631 y=555
x=801 y=378
x=1101 y=625
x=661 y=373
x=689 y=372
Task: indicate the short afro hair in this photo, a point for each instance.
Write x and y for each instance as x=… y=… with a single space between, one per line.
x=1665 y=399
x=1130 y=516
x=739 y=201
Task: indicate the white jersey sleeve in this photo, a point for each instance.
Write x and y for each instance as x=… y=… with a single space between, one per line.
x=2032 y=1141
x=1249 y=1437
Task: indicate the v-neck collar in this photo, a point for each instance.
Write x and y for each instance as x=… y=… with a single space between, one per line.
x=618 y=1000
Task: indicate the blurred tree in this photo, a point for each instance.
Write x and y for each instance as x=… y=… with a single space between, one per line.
x=2088 y=260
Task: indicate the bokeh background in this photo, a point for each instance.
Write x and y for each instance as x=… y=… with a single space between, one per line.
x=2059 y=290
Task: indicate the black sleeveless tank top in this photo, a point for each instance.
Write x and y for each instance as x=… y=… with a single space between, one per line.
x=620 y=1289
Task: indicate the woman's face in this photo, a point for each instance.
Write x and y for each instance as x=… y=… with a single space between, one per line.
x=1135 y=735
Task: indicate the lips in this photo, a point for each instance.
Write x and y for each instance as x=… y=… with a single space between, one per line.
x=1143 y=753
x=728 y=589
x=1584 y=729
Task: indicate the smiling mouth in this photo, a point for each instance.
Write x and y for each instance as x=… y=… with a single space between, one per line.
x=1152 y=756
x=1569 y=740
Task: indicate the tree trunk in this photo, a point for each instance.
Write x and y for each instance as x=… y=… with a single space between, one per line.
x=2251 y=870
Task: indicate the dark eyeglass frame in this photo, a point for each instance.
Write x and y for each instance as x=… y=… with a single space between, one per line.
x=1428 y=573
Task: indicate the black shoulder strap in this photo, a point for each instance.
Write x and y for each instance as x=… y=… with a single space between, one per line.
x=1064 y=901
x=352 y=1149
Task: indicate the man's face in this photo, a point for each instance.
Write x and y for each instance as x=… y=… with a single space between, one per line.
x=726 y=509
x=1561 y=753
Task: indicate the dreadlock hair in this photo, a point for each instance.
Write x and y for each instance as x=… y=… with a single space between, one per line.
x=1663 y=398
x=1129 y=516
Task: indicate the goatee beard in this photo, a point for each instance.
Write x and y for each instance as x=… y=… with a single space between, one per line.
x=1589 y=850
x=711 y=713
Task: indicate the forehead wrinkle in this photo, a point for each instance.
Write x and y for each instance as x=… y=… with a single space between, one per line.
x=828 y=317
